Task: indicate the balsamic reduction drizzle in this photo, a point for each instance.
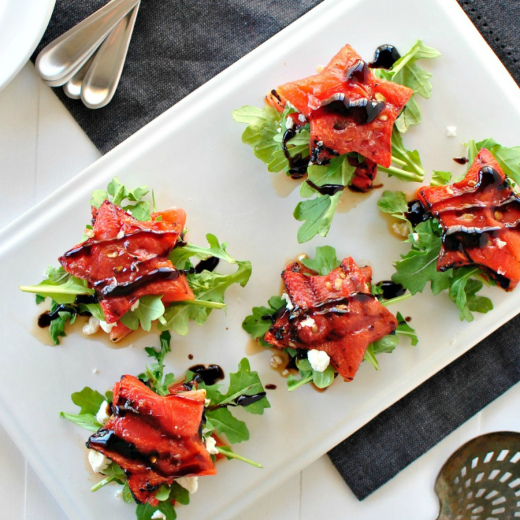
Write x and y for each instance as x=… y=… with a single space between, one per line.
x=358 y=72
x=361 y=111
x=245 y=400
x=461 y=160
x=210 y=264
x=45 y=319
x=416 y=213
x=297 y=164
x=390 y=290
x=326 y=189
x=208 y=374
x=270 y=386
x=385 y=57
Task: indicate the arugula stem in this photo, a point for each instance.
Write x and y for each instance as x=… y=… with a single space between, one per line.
x=301 y=382
x=202 y=303
x=231 y=398
x=404 y=62
x=224 y=450
x=402 y=174
x=402 y=298
x=400 y=162
x=50 y=289
x=102 y=483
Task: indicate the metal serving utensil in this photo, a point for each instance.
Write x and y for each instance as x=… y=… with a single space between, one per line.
x=100 y=41
x=481 y=480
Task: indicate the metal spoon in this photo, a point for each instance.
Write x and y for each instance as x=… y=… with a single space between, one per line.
x=102 y=77
x=72 y=88
x=63 y=58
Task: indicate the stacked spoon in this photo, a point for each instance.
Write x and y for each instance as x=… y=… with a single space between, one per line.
x=88 y=59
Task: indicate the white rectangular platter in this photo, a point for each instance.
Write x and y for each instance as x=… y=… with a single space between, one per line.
x=193 y=157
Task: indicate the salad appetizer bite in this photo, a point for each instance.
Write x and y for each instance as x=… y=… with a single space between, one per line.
x=329 y=319
x=337 y=128
x=155 y=437
x=463 y=235
x=134 y=267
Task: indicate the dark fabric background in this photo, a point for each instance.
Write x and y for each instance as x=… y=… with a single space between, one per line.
x=179 y=45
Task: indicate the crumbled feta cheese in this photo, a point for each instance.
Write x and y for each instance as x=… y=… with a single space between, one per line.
x=276 y=361
x=103 y=414
x=206 y=402
x=451 y=131
x=319 y=143
x=318 y=359
x=500 y=243
x=302 y=118
x=128 y=211
x=107 y=327
x=289 y=123
x=302 y=257
x=97 y=461
x=158 y=515
x=189 y=483
x=135 y=305
x=307 y=322
x=401 y=228
x=289 y=304
x=121 y=234
x=95 y=371
x=119 y=494
x=91 y=327
x=211 y=446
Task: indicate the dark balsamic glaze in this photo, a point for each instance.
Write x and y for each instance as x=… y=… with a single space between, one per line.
x=385 y=57
x=122 y=289
x=190 y=356
x=270 y=386
x=357 y=72
x=208 y=374
x=275 y=315
x=326 y=189
x=416 y=213
x=245 y=400
x=390 y=290
x=360 y=112
x=210 y=264
x=45 y=319
x=461 y=160
x=110 y=441
x=408 y=319
x=297 y=164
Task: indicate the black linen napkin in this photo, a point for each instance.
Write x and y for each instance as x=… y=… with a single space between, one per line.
x=177 y=46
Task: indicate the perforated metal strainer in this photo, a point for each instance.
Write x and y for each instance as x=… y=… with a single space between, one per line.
x=481 y=480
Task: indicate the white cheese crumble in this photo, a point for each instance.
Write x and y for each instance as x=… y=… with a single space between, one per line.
x=206 y=402
x=95 y=371
x=276 y=361
x=107 y=327
x=302 y=118
x=91 y=326
x=97 y=461
x=135 y=305
x=285 y=297
x=103 y=414
x=158 y=515
x=211 y=446
x=500 y=243
x=189 y=483
x=119 y=494
x=318 y=359
x=289 y=123
x=451 y=131
x=307 y=322
x=400 y=228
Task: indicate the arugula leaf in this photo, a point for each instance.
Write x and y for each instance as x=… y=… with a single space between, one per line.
x=407 y=165
x=324 y=262
x=57 y=326
x=463 y=291
x=419 y=266
x=230 y=454
x=339 y=171
x=150 y=309
x=317 y=216
x=265 y=131
x=179 y=494
x=88 y=400
x=180 y=256
x=85 y=420
x=405 y=71
x=146 y=511
x=440 y=178
x=256 y=325
x=127 y=496
x=226 y=424
x=394 y=202
x=403 y=329
x=140 y=211
x=208 y=287
x=117 y=193
x=153 y=374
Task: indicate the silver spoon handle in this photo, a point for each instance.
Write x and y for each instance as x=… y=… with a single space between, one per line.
x=62 y=56
x=103 y=76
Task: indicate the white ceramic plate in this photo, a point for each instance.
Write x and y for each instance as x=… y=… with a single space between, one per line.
x=22 y=24
x=193 y=156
